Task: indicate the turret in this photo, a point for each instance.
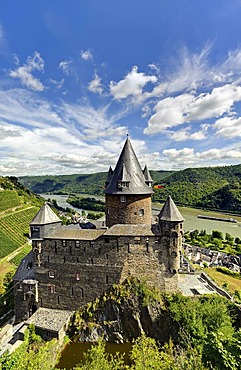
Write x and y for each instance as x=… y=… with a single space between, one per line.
x=128 y=191
x=148 y=179
x=44 y=222
x=171 y=229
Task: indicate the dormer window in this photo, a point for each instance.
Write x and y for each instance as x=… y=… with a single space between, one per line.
x=35 y=228
x=123 y=184
x=149 y=183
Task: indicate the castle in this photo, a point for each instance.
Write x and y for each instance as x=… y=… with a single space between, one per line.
x=69 y=266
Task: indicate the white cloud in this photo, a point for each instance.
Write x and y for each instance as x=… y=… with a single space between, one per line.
x=113 y=132
x=187 y=157
x=186 y=72
x=86 y=55
x=131 y=85
x=66 y=67
x=57 y=139
x=214 y=104
x=58 y=84
x=171 y=112
x=185 y=134
x=24 y=73
x=95 y=85
x=228 y=127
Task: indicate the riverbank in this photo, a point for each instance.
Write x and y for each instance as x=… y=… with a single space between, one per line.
x=190 y=215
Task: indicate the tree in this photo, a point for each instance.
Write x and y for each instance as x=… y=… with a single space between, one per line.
x=97 y=359
x=237 y=240
x=217 y=234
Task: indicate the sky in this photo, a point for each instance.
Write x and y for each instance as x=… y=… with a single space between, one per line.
x=77 y=76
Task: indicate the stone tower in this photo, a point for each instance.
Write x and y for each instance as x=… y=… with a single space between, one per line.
x=128 y=191
x=44 y=222
x=171 y=230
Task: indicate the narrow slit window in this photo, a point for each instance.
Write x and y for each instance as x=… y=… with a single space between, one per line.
x=52 y=289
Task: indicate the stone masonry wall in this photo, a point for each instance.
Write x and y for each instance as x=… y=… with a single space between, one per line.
x=71 y=274
x=135 y=210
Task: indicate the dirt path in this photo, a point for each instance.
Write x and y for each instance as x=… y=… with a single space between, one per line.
x=14 y=210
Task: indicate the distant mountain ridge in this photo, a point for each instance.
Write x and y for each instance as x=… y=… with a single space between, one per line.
x=76 y=183
x=216 y=188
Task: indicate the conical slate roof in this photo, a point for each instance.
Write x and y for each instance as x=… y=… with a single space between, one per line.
x=45 y=216
x=110 y=173
x=170 y=212
x=128 y=170
x=147 y=175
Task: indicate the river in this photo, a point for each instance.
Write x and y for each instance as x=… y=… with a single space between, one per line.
x=73 y=353
x=189 y=214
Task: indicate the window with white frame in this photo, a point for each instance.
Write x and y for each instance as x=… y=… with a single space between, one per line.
x=51 y=274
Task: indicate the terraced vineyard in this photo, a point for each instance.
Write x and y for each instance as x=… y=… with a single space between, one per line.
x=14 y=228
x=9 y=199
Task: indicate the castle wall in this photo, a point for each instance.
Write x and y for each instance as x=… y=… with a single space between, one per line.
x=71 y=274
x=24 y=299
x=136 y=209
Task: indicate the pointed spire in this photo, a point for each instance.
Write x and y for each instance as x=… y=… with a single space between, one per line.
x=109 y=176
x=147 y=176
x=170 y=212
x=127 y=177
x=45 y=216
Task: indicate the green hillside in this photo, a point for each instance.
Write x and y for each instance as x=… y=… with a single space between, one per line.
x=18 y=206
x=88 y=184
x=208 y=187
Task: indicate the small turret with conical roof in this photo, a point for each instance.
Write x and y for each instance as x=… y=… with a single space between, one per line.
x=128 y=191
x=43 y=221
x=171 y=229
x=147 y=176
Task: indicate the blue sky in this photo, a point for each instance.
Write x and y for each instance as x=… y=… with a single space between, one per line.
x=76 y=76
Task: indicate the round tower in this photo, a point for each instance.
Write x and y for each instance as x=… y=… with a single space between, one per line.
x=128 y=191
x=171 y=229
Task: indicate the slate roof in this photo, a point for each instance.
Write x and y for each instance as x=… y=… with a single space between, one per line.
x=127 y=169
x=147 y=175
x=75 y=234
x=45 y=216
x=129 y=230
x=26 y=269
x=50 y=319
x=170 y=212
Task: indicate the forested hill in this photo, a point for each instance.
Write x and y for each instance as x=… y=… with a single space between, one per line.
x=208 y=187
x=88 y=183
